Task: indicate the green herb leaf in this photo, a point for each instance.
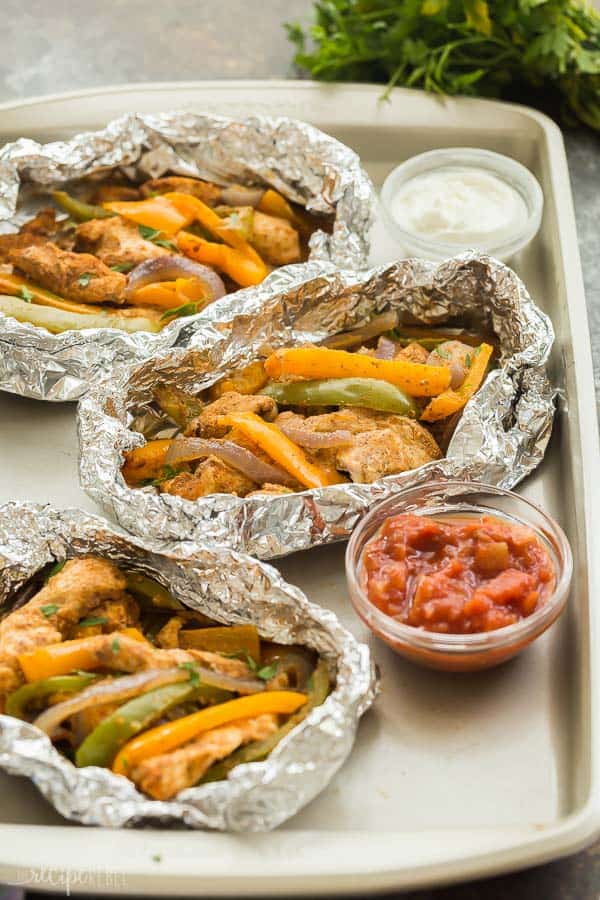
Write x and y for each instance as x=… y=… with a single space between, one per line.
x=468 y=360
x=25 y=294
x=116 y=645
x=188 y=309
x=49 y=609
x=252 y=665
x=193 y=670
x=56 y=568
x=267 y=672
x=85 y=278
x=149 y=234
x=156 y=857
x=93 y=620
x=122 y=267
x=169 y=245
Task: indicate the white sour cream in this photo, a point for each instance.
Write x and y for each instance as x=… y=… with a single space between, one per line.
x=461 y=205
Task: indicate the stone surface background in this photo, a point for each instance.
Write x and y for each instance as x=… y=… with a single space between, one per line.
x=48 y=47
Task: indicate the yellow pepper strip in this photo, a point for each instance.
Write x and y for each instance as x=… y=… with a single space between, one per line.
x=171 y=735
x=273 y=203
x=155 y=212
x=450 y=401
x=281 y=449
x=227 y=639
x=190 y=290
x=60 y=659
x=209 y=219
x=145 y=462
x=243 y=269
x=415 y=379
x=161 y=294
x=16 y=286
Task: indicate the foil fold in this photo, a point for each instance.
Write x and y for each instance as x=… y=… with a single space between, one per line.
x=501 y=436
x=301 y=162
x=233 y=589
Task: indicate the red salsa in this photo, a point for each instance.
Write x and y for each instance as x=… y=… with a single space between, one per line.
x=457 y=575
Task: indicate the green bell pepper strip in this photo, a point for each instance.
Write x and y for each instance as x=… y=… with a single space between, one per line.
x=149 y=591
x=369 y=393
x=18 y=701
x=102 y=744
x=317 y=693
x=78 y=210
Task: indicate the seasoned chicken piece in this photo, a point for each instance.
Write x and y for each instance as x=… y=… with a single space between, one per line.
x=353 y=419
x=164 y=776
x=248 y=380
x=121 y=613
x=80 y=586
x=275 y=240
x=36 y=231
x=457 y=356
x=125 y=654
x=75 y=276
x=168 y=636
x=116 y=242
x=206 y=191
x=413 y=353
x=212 y=476
x=207 y=423
x=399 y=444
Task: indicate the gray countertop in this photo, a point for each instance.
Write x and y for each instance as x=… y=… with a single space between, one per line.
x=69 y=44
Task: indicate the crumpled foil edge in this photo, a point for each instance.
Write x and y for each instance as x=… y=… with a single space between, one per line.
x=297 y=159
x=231 y=588
x=501 y=437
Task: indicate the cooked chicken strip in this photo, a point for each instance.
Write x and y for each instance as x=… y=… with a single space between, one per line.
x=457 y=356
x=206 y=191
x=116 y=242
x=413 y=353
x=275 y=239
x=75 y=276
x=118 y=614
x=212 y=476
x=82 y=585
x=36 y=231
x=207 y=423
x=164 y=776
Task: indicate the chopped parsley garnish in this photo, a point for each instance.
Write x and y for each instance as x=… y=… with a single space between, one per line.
x=122 y=267
x=251 y=664
x=192 y=669
x=93 y=620
x=85 y=278
x=168 y=245
x=156 y=857
x=56 y=568
x=49 y=609
x=116 y=645
x=167 y=473
x=188 y=309
x=149 y=234
x=468 y=360
x=25 y=294
x=267 y=672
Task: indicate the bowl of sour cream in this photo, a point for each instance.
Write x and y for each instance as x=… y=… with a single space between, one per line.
x=442 y=202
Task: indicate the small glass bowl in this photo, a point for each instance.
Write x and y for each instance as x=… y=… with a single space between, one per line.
x=460 y=652
x=503 y=167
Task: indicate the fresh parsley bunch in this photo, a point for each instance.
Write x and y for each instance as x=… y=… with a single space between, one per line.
x=543 y=51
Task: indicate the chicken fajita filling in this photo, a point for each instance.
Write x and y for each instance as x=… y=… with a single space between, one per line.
x=374 y=402
x=118 y=674
x=136 y=256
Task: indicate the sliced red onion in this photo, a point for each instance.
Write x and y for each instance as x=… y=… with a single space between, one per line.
x=386 y=348
x=216 y=679
x=188 y=449
x=108 y=691
x=239 y=195
x=385 y=322
x=168 y=268
x=316 y=440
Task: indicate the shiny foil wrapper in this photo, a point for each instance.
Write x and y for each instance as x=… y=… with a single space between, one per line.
x=304 y=164
x=231 y=588
x=500 y=438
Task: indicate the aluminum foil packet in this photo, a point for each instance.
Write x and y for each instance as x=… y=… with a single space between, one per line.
x=231 y=588
x=500 y=438
x=304 y=164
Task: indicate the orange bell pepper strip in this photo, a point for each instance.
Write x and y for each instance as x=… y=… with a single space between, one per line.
x=15 y=286
x=450 y=401
x=272 y=203
x=155 y=212
x=415 y=379
x=145 y=462
x=171 y=735
x=212 y=222
x=191 y=290
x=160 y=294
x=281 y=449
x=241 y=268
x=60 y=659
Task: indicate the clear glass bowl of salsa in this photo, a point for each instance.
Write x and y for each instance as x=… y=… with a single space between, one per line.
x=458 y=576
